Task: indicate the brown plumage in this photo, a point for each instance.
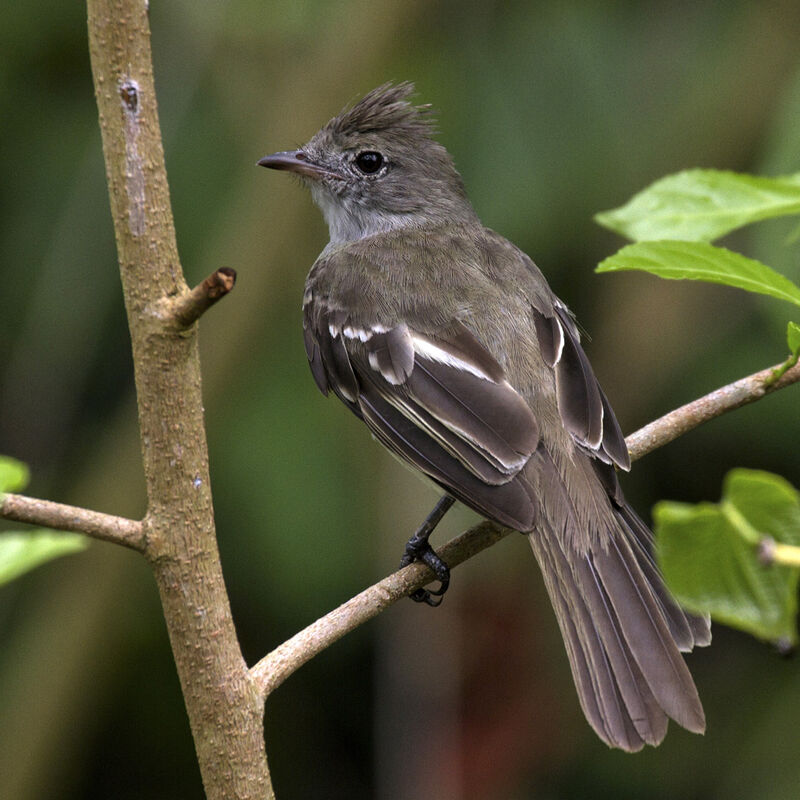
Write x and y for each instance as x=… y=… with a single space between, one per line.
x=448 y=342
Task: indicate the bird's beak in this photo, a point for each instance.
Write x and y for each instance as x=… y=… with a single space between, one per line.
x=296 y=161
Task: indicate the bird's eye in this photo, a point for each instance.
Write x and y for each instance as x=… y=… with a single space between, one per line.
x=369 y=162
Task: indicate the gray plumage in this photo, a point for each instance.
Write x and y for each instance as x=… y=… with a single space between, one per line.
x=448 y=342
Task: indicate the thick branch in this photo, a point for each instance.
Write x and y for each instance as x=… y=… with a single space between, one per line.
x=276 y=666
x=224 y=713
x=119 y=530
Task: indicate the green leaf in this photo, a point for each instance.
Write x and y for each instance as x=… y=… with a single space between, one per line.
x=14 y=475
x=702 y=262
x=22 y=551
x=708 y=554
x=793 y=338
x=702 y=205
x=768 y=502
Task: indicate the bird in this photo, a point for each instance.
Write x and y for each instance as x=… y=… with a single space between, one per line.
x=448 y=342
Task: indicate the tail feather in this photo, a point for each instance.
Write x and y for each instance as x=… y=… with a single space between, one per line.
x=622 y=630
x=641 y=704
x=614 y=694
x=591 y=672
x=642 y=624
x=688 y=631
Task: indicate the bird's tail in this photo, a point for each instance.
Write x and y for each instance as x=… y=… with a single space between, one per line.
x=622 y=630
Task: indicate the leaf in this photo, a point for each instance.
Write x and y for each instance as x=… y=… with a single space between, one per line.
x=793 y=338
x=768 y=502
x=793 y=341
x=708 y=554
x=21 y=552
x=14 y=475
x=702 y=205
x=702 y=262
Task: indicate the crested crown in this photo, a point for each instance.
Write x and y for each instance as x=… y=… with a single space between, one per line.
x=386 y=107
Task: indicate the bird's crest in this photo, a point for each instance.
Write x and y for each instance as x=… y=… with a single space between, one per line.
x=385 y=108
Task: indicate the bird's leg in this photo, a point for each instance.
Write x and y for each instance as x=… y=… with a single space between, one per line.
x=418 y=549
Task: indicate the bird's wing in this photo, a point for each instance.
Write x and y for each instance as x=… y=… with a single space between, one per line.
x=582 y=404
x=442 y=403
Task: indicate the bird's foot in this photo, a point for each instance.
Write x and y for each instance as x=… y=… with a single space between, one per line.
x=419 y=549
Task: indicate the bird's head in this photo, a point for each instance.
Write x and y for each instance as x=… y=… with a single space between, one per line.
x=376 y=167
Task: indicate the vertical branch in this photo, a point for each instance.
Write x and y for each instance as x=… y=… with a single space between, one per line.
x=180 y=542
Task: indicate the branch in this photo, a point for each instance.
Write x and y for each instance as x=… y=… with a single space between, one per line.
x=275 y=667
x=185 y=309
x=119 y=530
x=272 y=670
x=683 y=419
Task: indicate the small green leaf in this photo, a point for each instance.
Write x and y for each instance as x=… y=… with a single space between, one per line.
x=709 y=557
x=14 y=475
x=702 y=262
x=22 y=551
x=702 y=205
x=793 y=338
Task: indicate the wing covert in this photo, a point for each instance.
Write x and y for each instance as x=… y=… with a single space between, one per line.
x=441 y=402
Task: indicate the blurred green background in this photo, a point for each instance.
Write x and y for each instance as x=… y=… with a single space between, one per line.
x=553 y=111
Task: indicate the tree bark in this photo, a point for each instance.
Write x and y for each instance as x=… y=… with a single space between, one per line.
x=224 y=708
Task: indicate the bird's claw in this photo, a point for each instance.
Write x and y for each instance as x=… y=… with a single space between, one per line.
x=417 y=550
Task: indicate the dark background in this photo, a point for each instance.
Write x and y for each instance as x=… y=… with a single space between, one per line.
x=553 y=111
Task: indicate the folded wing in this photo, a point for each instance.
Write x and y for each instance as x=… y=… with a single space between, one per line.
x=442 y=403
